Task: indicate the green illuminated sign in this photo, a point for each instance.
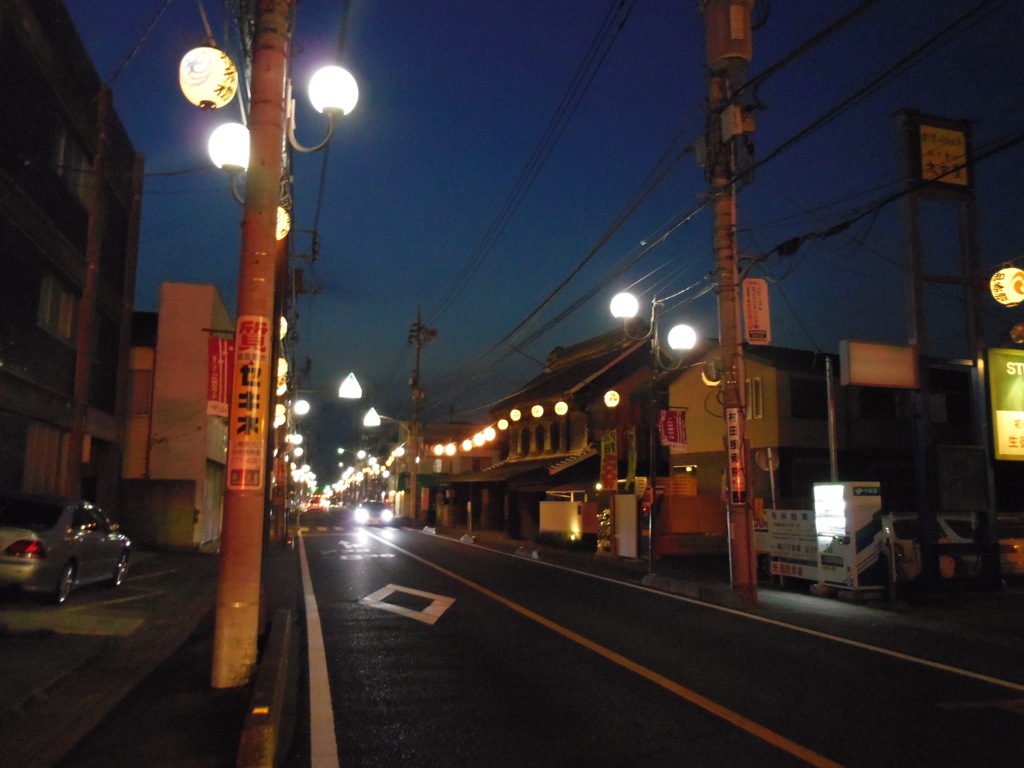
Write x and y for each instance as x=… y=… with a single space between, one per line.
x=1006 y=385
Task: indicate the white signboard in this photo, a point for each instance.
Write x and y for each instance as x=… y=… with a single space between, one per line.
x=758 y=324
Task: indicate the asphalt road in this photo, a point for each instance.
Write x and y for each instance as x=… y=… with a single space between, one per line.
x=441 y=653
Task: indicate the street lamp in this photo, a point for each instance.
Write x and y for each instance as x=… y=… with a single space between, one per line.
x=372 y=419
x=625 y=307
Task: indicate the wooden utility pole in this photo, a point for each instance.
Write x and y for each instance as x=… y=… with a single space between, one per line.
x=419 y=335
x=251 y=416
x=729 y=44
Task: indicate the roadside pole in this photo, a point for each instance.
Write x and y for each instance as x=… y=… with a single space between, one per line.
x=238 y=595
x=729 y=46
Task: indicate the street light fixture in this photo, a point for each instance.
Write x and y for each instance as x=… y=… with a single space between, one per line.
x=625 y=306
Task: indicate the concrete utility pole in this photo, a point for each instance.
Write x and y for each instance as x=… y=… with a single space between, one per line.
x=729 y=44
x=238 y=595
x=419 y=335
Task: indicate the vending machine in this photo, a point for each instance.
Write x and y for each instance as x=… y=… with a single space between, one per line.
x=848 y=522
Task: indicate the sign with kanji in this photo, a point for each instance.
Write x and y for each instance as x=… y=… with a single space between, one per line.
x=250 y=404
x=221 y=352
x=1006 y=389
x=610 y=460
x=734 y=454
x=943 y=155
x=672 y=430
x=756 y=314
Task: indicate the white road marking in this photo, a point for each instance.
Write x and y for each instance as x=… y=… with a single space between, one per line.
x=323 y=743
x=429 y=615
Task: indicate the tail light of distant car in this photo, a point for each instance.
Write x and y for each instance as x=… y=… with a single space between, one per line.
x=28 y=548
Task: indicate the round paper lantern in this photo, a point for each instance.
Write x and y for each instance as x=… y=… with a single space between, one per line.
x=1007 y=286
x=208 y=78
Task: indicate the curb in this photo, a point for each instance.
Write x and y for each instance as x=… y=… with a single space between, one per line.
x=266 y=732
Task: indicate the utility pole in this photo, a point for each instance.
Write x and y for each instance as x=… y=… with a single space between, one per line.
x=729 y=47
x=250 y=416
x=419 y=335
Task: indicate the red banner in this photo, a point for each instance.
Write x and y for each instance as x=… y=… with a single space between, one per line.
x=218 y=380
x=672 y=429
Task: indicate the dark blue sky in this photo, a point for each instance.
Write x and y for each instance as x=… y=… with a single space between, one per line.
x=431 y=200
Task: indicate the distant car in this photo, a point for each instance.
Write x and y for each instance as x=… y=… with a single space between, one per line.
x=52 y=544
x=903 y=538
x=373 y=513
x=1011 y=544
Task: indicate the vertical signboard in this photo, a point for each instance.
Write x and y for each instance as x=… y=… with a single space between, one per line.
x=250 y=397
x=734 y=451
x=610 y=460
x=218 y=383
x=756 y=315
x=1006 y=388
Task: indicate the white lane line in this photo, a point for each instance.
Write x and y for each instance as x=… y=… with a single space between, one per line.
x=323 y=743
x=776 y=623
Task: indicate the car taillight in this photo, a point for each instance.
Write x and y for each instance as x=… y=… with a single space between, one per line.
x=26 y=548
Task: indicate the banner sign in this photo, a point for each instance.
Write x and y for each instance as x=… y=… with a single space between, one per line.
x=631 y=457
x=734 y=451
x=672 y=429
x=250 y=403
x=756 y=313
x=610 y=460
x=220 y=357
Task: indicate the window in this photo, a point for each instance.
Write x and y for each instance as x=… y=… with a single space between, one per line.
x=755 y=399
x=72 y=164
x=57 y=308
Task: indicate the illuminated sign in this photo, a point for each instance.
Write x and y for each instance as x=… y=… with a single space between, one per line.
x=1006 y=389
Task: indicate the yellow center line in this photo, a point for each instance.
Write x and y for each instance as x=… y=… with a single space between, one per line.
x=755 y=729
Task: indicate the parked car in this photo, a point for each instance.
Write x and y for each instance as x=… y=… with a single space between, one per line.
x=373 y=513
x=902 y=533
x=1011 y=544
x=53 y=544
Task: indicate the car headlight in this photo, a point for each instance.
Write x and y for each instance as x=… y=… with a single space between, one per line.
x=386 y=515
x=361 y=515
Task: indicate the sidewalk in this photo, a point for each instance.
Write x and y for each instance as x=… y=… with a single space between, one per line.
x=125 y=683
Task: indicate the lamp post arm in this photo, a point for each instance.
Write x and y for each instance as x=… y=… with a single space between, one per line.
x=331 y=116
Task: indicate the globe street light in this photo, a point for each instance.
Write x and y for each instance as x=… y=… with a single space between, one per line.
x=625 y=307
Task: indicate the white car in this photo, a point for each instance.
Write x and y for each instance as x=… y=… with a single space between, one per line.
x=373 y=513
x=52 y=544
x=903 y=540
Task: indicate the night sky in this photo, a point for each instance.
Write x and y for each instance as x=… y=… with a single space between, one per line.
x=500 y=147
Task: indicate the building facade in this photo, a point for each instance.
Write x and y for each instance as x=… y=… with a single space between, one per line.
x=176 y=435
x=70 y=192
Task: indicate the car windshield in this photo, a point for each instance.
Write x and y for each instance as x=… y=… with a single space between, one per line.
x=31 y=515
x=374 y=506
x=962 y=528
x=906 y=528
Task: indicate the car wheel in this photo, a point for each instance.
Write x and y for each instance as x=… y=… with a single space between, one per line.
x=64 y=583
x=120 y=570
